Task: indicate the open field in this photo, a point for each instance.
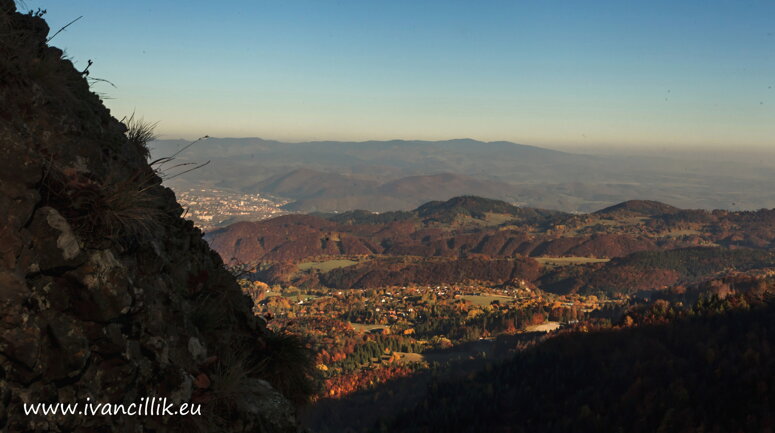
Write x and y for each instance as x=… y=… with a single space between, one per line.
x=679 y=233
x=410 y=357
x=482 y=300
x=489 y=220
x=567 y=261
x=544 y=327
x=360 y=327
x=327 y=265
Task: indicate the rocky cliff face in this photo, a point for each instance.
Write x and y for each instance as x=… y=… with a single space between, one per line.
x=106 y=293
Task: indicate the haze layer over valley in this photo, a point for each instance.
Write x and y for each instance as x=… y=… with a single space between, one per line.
x=335 y=176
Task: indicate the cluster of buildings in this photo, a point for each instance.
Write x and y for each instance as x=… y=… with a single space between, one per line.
x=209 y=208
x=408 y=305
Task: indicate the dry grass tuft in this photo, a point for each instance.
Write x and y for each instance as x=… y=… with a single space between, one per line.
x=116 y=208
x=231 y=377
x=231 y=382
x=139 y=133
x=288 y=364
x=126 y=208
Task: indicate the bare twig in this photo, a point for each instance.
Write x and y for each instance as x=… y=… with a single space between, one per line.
x=186 y=171
x=171 y=157
x=101 y=80
x=85 y=71
x=103 y=96
x=63 y=28
x=159 y=163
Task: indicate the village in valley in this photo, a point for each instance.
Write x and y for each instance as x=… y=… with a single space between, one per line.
x=456 y=285
x=363 y=337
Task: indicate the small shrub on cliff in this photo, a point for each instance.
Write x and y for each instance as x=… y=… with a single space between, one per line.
x=118 y=206
x=126 y=207
x=114 y=208
x=289 y=366
x=230 y=383
x=230 y=379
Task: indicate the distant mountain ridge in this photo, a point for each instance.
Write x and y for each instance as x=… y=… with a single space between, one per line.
x=402 y=174
x=327 y=192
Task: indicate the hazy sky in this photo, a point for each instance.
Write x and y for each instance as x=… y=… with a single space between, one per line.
x=548 y=72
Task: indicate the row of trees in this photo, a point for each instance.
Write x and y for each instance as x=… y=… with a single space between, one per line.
x=374 y=348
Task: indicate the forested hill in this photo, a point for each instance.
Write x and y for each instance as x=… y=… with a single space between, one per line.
x=474 y=225
x=650 y=245
x=449 y=212
x=698 y=374
x=639 y=208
